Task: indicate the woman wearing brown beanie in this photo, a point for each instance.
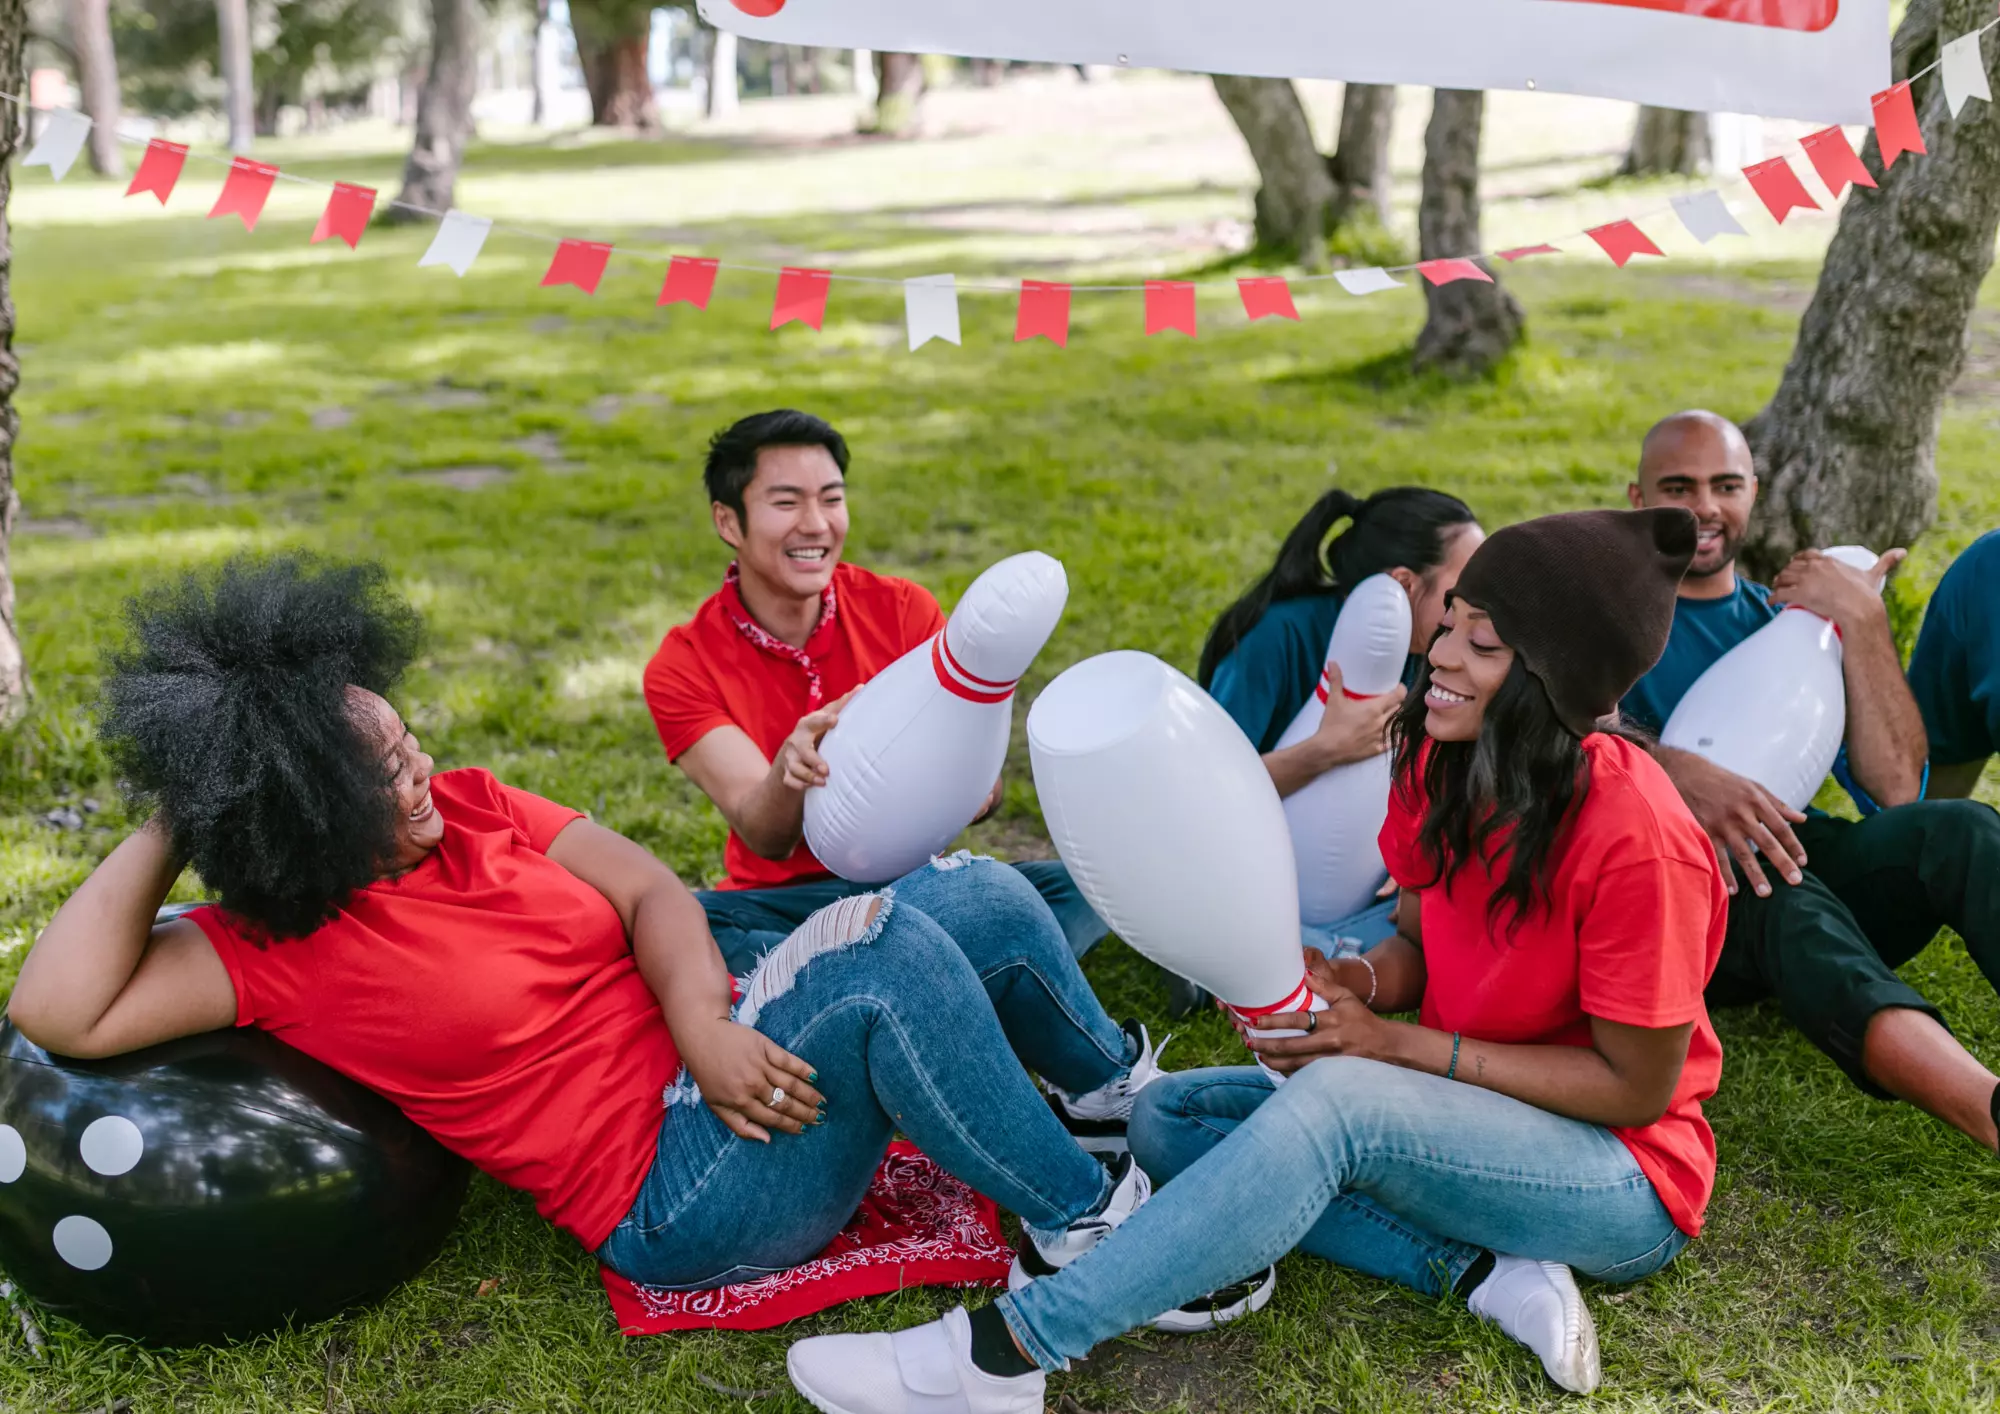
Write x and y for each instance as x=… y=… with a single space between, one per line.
x=1560 y=915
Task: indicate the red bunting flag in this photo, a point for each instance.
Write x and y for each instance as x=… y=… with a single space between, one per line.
x=1522 y=252
x=1833 y=157
x=159 y=169
x=1044 y=313
x=801 y=296
x=1267 y=297
x=1622 y=240
x=689 y=281
x=578 y=263
x=1779 y=187
x=244 y=191
x=1444 y=272
x=1170 y=305
x=346 y=215
x=1896 y=129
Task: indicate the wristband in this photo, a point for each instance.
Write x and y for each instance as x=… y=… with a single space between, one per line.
x=1452 y=1069
x=1374 y=982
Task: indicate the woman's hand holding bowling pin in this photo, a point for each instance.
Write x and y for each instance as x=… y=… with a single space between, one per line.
x=1346 y=1028
x=1353 y=728
x=799 y=764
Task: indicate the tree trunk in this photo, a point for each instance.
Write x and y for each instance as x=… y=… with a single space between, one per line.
x=722 y=90
x=444 y=111
x=1360 y=163
x=1667 y=142
x=538 y=74
x=270 y=104
x=1470 y=325
x=1295 y=203
x=13 y=667
x=611 y=38
x=97 y=64
x=1846 y=449
x=232 y=18
x=899 y=93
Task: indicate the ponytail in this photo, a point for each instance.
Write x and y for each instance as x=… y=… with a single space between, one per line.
x=1403 y=526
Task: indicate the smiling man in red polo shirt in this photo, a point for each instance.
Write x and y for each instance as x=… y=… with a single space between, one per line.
x=743 y=693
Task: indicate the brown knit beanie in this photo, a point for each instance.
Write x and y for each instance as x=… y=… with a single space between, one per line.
x=1586 y=599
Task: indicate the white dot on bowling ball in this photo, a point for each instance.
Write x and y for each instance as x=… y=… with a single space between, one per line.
x=112 y=1145
x=13 y=1154
x=83 y=1243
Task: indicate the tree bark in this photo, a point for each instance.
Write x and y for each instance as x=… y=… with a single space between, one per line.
x=537 y=70
x=1360 y=162
x=899 y=93
x=722 y=91
x=232 y=19
x=1667 y=142
x=1469 y=325
x=1295 y=203
x=444 y=112
x=1847 y=448
x=611 y=38
x=97 y=65
x=13 y=666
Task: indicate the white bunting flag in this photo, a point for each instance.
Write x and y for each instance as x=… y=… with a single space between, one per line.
x=1707 y=215
x=930 y=302
x=458 y=241
x=63 y=133
x=1366 y=282
x=1964 y=72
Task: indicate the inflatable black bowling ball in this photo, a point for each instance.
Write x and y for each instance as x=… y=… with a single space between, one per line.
x=214 y=1187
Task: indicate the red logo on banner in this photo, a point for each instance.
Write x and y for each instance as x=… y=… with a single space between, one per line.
x=1810 y=16
x=759 y=9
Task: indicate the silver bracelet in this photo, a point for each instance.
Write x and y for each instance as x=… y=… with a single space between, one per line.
x=1374 y=982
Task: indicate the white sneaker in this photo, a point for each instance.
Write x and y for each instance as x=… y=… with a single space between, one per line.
x=1038 y=1256
x=1097 y=1120
x=924 y=1370
x=1538 y=1304
x=1204 y=1313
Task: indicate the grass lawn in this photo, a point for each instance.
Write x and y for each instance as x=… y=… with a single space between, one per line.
x=527 y=461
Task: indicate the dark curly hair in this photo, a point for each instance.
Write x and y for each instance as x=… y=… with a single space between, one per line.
x=227 y=714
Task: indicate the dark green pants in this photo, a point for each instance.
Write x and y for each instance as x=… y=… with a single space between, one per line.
x=1875 y=893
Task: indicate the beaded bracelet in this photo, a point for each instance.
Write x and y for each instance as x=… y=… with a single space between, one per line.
x=1452 y=1069
x=1374 y=982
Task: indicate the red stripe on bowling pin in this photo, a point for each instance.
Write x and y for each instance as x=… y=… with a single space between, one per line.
x=1299 y=1000
x=1349 y=693
x=953 y=677
x=1800 y=608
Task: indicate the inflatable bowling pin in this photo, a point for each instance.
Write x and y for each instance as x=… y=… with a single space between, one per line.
x=1170 y=825
x=915 y=754
x=1336 y=819
x=1774 y=707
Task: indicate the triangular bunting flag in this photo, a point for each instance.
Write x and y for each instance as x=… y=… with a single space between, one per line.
x=1833 y=157
x=244 y=191
x=1444 y=272
x=1267 y=297
x=801 y=297
x=1964 y=72
x=159 y=169
x=1522 y=252
x=1779 y=187
x=1043 y=313
x=1170 y=305
x=1896 y=124
x=930 y=307
x=1622 y=240
x=690 y=280
x=458 y=241
x=1706 y=216
x=346 y=215
x=62 y=137
x=1366 y=282
x=578 y=263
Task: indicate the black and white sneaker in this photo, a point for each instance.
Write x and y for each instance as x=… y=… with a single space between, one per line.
x=1098 y=1120
x=1130 y=1188
x=1204 y=1313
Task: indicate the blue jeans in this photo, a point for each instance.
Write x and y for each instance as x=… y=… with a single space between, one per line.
x=1351 y=937
x=1388 y=1171
x=747 y=923
x=906 y=1035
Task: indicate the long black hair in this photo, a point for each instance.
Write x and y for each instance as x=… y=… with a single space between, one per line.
x=1401 y=525
x=1510 y=790
x=227 y=713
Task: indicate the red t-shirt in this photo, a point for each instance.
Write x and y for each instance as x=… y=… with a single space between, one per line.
x=1632 y=933
x=492 y=996
x=706 y=674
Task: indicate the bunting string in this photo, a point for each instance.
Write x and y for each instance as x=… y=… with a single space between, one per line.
x=1043 y=308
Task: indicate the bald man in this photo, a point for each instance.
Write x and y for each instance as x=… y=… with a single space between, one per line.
x=1825 y=941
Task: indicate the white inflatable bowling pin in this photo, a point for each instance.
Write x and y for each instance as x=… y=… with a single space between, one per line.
x=1170 y=825
x=1774 y=707
x=1336 y=819
x=915 y=754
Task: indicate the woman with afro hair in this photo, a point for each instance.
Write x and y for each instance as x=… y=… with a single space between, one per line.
x=540 y=993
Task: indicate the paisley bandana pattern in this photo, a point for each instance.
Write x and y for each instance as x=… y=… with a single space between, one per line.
x=765 y=641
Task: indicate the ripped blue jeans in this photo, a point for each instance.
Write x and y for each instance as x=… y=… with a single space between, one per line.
x=913 y=1026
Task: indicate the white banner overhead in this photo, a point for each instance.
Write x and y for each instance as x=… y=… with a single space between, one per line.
x=1812 y=59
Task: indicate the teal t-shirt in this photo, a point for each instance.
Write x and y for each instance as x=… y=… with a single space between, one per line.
x=1955 y=670
x=1274 y=668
